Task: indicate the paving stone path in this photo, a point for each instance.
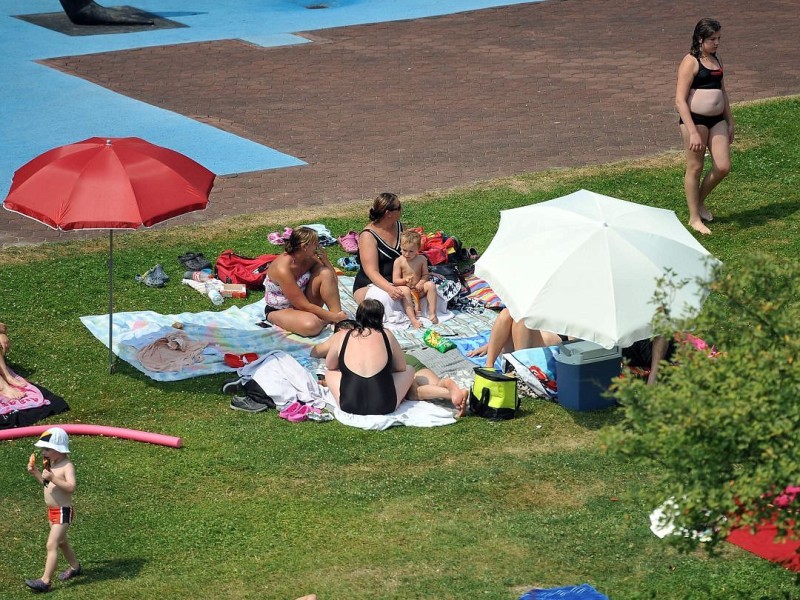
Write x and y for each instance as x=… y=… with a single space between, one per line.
x=434 y=103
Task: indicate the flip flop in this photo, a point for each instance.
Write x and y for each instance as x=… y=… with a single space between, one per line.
x=290 y=410
x=276 y=238
x=301 y=414
x=472 y=253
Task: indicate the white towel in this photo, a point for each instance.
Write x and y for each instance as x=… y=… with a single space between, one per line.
x=395 y=317
x=411 y=413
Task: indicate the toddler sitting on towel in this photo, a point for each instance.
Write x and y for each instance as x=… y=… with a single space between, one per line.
x=411 y=277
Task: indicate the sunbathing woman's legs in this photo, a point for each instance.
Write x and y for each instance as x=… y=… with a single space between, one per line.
x=429 y=386
x=10 y=383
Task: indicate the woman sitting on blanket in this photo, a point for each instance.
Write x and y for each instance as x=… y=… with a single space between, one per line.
x=508 y=335
x=299 y=283
x=378 y=247
x=367 y=371
x=426 y=385
x=11 y=385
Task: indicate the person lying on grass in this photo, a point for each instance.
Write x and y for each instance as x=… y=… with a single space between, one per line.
x=10 y=384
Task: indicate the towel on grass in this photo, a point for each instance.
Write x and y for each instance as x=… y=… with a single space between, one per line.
x=542 y=358
x=235 y=331
x=28 y=414
x=570 y=592
x=286 y=381
x=395 y=317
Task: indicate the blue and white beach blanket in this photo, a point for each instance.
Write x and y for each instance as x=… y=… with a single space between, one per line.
x=235 y=331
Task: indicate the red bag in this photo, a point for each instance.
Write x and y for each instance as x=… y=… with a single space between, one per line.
x=233 y=268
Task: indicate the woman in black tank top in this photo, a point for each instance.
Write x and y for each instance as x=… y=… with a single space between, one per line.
x=378 y=247
x=367 y=371
x=705 y=120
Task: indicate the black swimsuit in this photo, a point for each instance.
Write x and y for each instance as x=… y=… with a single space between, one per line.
x=707 y=79
x=373 y=395
x=386 y=257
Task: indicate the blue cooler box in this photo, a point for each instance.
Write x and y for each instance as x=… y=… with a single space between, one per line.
x=584 y=371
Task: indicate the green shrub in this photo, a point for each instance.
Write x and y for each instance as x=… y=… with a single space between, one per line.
x=724 y=430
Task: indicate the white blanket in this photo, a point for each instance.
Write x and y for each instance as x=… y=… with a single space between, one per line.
x=395 y=318
x=286 y=381
x=411 y=413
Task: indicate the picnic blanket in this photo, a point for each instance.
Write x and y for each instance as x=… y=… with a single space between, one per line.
x=235 y=331
x=39 y=403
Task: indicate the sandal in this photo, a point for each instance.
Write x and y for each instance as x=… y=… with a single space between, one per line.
x=301 y=414
x=472 y=253
x=237 y=361
x=290 y=410
x=37 y=585
x=70 y=573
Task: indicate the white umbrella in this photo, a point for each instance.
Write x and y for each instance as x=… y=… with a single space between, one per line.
x=587 y=265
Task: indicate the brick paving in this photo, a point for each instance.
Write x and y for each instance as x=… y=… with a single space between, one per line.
x=435 y=103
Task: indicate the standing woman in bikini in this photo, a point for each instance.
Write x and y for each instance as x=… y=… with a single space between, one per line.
x=378 y=247
x=706 y=120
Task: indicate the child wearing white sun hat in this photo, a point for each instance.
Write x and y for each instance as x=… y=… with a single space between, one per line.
x=58 y=478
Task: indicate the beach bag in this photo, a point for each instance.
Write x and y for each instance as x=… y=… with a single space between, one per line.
x=234 y=268
x=450 y=282
x=493 y=395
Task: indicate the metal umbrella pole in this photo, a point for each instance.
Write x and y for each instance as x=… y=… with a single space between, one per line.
x=110 y=299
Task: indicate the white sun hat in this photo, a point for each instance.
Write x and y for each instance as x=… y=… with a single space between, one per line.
x=54 y=438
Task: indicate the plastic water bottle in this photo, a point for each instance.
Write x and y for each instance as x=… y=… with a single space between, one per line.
x=201 y=276
x=214 y=294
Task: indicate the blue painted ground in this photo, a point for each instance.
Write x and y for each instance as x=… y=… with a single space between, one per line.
x=46 y=108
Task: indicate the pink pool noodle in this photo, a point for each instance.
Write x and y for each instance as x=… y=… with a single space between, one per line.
x=80 y=429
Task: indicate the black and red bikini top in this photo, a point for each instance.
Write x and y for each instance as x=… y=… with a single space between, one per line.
x=707 y=79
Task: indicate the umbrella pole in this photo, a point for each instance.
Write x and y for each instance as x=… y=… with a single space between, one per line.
x=110 y=299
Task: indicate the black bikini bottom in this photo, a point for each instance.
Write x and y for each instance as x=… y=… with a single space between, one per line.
x=705 y=120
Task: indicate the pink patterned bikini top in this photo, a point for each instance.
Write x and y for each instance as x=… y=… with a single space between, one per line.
x=274 y=296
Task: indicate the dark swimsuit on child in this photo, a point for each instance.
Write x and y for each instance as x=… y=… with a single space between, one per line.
x=707 y=79
x=373 y=395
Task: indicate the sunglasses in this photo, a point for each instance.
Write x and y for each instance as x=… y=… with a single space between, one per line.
x=394 y=208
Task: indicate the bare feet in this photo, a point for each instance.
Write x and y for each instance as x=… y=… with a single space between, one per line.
x=416 y=323
x=457 y=396
x=10 y=391
x=700 y=227
x=705 y=214
x=434 y=319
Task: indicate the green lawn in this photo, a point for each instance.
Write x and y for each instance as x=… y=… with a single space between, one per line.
x=255 y=507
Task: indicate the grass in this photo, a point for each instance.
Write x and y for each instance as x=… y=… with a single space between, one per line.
x=256 y=507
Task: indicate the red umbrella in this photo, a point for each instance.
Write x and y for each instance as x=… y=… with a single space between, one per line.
x=109 y=183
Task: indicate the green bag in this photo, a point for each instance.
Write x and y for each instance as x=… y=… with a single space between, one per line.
x=493 y=395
